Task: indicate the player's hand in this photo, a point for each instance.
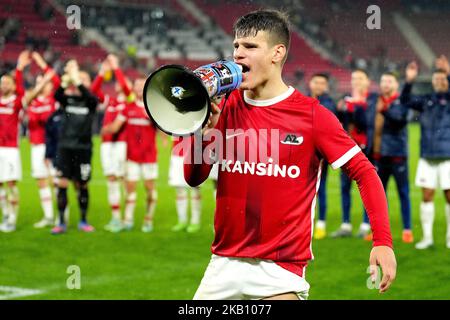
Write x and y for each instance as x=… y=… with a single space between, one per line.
x=104 y=68
x=412 y=70
x=65 y=80
x=357 y=96
x=23 y=60
x=384 y=257
x=213 y=117
x=442 y=63
x=113 y=61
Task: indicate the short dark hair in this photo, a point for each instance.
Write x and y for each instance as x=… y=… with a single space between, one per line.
x=321 y=75
x=390 y=73
x=274 y=22
x=361 y=70
x=439 y=71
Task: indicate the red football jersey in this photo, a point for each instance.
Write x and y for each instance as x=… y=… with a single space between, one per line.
x=114 y=107
x=266 y=200
x=140 y=133
x=9 y=120
x=38 y=112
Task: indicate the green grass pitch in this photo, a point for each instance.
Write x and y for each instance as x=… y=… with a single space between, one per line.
x=167 y=265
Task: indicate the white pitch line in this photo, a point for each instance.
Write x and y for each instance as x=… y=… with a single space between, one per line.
x=15 y=292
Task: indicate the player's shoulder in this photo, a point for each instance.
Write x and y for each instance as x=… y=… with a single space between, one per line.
x=299 y=98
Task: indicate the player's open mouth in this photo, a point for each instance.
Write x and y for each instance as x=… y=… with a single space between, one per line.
x=244 y=67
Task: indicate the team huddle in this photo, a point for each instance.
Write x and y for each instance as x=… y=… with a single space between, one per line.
x=59 y=113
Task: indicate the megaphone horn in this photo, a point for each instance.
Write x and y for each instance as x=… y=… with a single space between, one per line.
x=178 y=100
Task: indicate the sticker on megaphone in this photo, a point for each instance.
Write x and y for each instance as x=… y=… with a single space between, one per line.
x=220 y=77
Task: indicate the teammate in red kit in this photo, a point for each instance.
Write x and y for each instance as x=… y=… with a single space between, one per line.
x=176 y=180
x=113 y=149
x=11 y=103
x=141 y=155
x=40 y=104
x=265 y=207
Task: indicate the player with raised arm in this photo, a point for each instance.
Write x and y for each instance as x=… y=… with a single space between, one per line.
x=113 y=149
x=265 y=207
x=40 y=104
x=433 y=169
x=11 y=103
x=74 y=153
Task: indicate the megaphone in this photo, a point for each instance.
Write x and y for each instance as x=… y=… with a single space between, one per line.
x=178 y=100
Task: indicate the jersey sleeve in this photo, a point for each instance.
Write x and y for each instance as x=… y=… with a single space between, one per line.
x=330 y=138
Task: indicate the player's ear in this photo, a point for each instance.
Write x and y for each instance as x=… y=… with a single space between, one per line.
x=279 y=52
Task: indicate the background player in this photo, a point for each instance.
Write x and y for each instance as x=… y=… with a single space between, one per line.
x=113 y=149
x=11 y=103
x=40 y=103
x=75 y=141
x=318 y=89
x=353 y=114
x=141 y=155
x=433 y=169
x=176 y=179
x=390 y=145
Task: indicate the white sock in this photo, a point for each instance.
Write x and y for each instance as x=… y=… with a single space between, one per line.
x=321 y=224
x=13 y=205
x=46 y=202
x=427 y=218
x=114 y=198
x=447 y=214
x=4 y=206
x=129 y=208
x=182 y=205
x=151 y=205
x=196 y=206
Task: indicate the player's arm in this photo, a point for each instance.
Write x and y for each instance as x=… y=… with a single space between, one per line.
x=33 y=93
x=120 y=77
x=22 y=61
x=406 y=98
x=373 y=196
x=42 y=64
x=96 y=86
x=115 y=126
x=196 y=171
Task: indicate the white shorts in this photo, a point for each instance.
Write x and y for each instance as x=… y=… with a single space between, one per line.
x=114 y=158
x=432 y=174
x=146 y=171
x=176 y=172
x=10 y=165
x=214 y=174
x=246 y=278
x=39 y=169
